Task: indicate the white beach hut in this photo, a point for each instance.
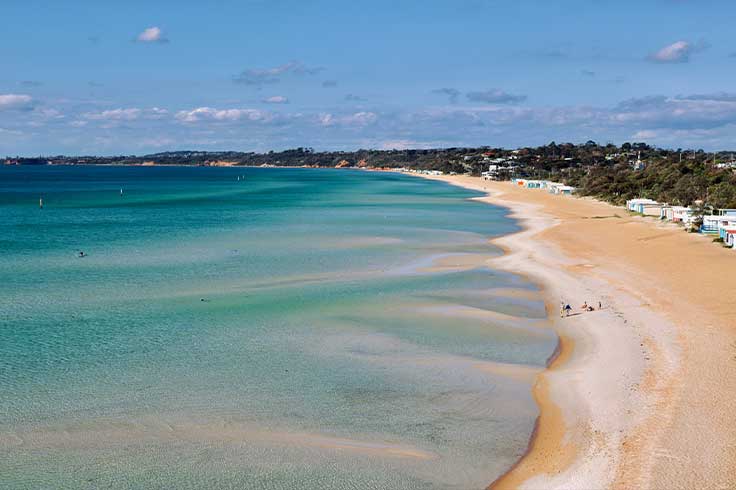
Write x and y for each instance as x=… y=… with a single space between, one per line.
x=730 y=238
x=648 y=207
x=712 y=224
x=565 y=190
x=681 y=214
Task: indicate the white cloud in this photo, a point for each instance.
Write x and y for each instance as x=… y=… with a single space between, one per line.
x=151 y=35
x=276 y=99
x=326 y=119
x=210 y=114
x=156 y=113
x=707 y=120
x=677 y=52
x=114 y=115
x=360 y=118
x=356 y=119
x=645 y=134
x=685 y=112
x=15 y=101
x=405 y=144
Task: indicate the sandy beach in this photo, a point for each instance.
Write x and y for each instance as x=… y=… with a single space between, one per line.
x=642 y=392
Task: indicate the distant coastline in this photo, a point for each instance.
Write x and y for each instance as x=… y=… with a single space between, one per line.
x=608 y=172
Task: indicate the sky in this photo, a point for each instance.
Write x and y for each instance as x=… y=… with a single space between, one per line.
x=134 y=77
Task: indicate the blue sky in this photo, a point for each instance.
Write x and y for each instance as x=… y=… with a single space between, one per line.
x=91 y=77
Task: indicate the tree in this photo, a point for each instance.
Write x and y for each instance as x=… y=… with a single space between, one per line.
x=723 y=195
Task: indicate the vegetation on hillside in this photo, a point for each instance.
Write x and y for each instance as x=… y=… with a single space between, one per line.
x=608 y=172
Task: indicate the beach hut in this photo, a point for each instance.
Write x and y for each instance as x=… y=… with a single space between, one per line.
x=534 y=184
x=712 y=224
x=724 y=231
x=676 y=214
x=728 y=235
x=681 y=214
x=730 y=239
x=557 y=188
x=651 y=209
x=648 y=207
x=633 y=204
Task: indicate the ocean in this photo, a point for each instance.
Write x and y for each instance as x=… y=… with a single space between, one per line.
x=258 y=328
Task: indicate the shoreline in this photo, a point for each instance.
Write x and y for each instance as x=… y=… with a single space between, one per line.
x=617 y=404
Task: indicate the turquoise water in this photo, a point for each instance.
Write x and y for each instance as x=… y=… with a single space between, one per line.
x=289 y=329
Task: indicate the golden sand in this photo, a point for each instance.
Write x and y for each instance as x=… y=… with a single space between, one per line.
x=548 y=451
x=677 y=422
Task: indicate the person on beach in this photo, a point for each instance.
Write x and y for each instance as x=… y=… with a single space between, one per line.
x=568 y=309
x=585 y=306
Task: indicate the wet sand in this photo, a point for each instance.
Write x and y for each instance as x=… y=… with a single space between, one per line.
x=101 y=434
x=642 y=392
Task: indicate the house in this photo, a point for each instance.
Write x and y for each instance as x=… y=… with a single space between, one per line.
x=497 y=172
x=638 y=164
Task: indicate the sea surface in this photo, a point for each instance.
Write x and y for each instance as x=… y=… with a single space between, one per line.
x=252 y=328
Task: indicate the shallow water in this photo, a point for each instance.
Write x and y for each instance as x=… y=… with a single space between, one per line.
x=289 y=329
